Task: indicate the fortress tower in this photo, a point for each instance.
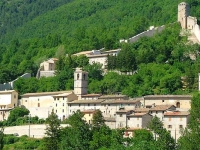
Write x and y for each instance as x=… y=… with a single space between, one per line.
x=80 y=82
x=183 y=13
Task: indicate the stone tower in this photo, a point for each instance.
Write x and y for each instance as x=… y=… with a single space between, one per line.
x=80 y=82
x=183 y=13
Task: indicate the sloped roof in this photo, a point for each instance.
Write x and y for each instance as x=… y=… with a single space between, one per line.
x=137 y=114
x=86 y=101
x=161 y=107
x=177 y=113
x=7 y=91
x=123 y=111
x=45 y=93
x=141 y=110
x=114 y=101
x=91 y=95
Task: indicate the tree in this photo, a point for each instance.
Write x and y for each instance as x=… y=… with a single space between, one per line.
x=1 y=138
x=191 y=135
x=16 y=113
x=77 y=135
x=98 y=119
x=53 y=132
x=163 y=138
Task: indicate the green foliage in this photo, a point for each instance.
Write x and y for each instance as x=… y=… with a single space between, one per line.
x=98 y=119
x=164 y=140
x=191 y=135
x=15 y=114
x=77 y=135
x=52 y=132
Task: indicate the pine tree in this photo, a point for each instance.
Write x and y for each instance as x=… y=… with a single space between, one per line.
x=52 y=132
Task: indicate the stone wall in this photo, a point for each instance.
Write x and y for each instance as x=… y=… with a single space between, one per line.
x=36 y=131
x=10 y=85
x=47 y=73
x=148 y=33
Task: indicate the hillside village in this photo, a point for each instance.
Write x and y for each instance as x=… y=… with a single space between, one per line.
x=119 y=111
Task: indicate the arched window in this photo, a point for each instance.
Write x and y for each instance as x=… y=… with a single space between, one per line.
x=77 y=76
x=178 y=104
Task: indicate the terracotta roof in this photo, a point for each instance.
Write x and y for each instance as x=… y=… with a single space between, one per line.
x=91 y=95
x=86 y=101
x=113 y=101
x=177 y=113
x=123 y=111
x=161 y=107
x=141 y=110
x=44 y=93
x=137 y=114
x=88 y=111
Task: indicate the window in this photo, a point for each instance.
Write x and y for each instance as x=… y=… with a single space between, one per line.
x=70 y=111
x=38 y=99
x=170 y=126
x=25 y=100
x=79 y=105
x=54 y=99
x=163 y=112
x=94 y=104
x=38 y=104
x=77 y=76
x=180 y=126
x=56 y=105
x=128 y=118
x=63 y=110
x=63 y=98
x=170 y=118
x=128 y=104
x=89 y=121
x=14 y=105
x=178 y=104
x=89 y=114
x=63 y=104
x=109 y=111
x=163 y=101
x=156 y=112
x=83 y=76
x=88 y=104
x=70 y=105
x=14 y=96
x=108 y=104
x=120 y=115
x=104 y=105
x=180 y=118
x=56 y=111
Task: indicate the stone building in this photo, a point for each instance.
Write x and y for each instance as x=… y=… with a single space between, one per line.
x=8 y=101
x=41 y=104
x=180 y=101
x=80 y=82
x=175 y=122
x=88 y=115
x=183 y=13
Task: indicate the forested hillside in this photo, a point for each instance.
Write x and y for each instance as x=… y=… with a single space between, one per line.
x=34 y=30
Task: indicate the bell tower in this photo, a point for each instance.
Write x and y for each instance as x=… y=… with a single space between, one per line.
x=183 y=13
x=80 y=82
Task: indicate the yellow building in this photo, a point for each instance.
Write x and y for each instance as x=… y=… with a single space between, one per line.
x=88 y=115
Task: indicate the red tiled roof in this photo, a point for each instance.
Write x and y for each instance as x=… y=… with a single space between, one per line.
x=177 y=113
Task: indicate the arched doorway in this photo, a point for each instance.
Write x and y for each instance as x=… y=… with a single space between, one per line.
x=178 y=105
